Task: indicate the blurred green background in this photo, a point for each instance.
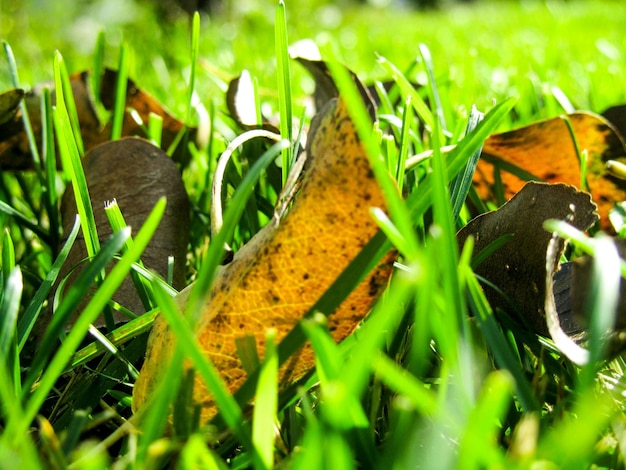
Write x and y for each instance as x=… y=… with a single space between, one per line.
x=483 y=50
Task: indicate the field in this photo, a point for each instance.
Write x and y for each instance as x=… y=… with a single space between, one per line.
x=435 y=376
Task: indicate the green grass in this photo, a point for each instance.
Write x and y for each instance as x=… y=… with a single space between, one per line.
x=431 y=379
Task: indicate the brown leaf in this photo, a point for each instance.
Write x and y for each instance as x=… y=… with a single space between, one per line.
x=546 y=151
x=570 y=302
x=144 y=104
x=14 y=148
x=9 y=104
x=10 y=123
x=518 y=267
x=616 y=115
x=136 y=174
x=326 y=89
x=275 y=278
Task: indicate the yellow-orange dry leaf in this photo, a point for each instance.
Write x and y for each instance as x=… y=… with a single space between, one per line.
x=546 y=150
x=274 y=280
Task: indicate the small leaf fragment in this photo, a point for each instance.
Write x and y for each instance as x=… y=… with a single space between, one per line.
x=571 y=300
x=241 y=104
x=326 y=89
x=9 y=103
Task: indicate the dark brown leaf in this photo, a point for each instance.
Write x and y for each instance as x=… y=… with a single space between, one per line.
x=326 y=89
x=9 y=103
x=616 y=115
x=14 y=148
x=136 y=174
x=518 y=267
x=571 y=297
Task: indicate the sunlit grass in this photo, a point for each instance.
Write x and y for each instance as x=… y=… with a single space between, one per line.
x=483 y=51
x=431 y=378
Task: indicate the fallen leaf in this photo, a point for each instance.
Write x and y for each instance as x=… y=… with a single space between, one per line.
x=275 y=278
x=136 y=174
x=326 y=89
x=14 y=147
x=569 y=300
x=9 y=104
x=10 y=122
x=308 y=55
x=518 y=268
x=545 y=150
x=241 y=100
x=144 y=104
x=616 y=115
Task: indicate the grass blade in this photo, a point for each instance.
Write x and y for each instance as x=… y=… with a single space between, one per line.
x=444 y=235
x=32 y=142
x=432 y=87
x=407 y=116
x=602 y=305
x=479 y=447
x=419 y=200
x=28 y=319
x=503 y=355
x=24 y=220
x=116 y=337
x=154 y=418
x=72 y=165
x=406 y=385
x=50 y=166
x=142 y=285
x=9 y=308
x=69 y=104
x=264 y=414
x=420 y=106
x=22 y=450
x=67 y=307
x=98 y=65
x=284 y=85
x=195 y=48
x=328 y=363
x=462 y=182
x=8 y=257
x=119 y=108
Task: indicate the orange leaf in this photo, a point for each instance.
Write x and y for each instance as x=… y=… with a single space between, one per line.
x=274 y=279
x=546 y=151
x=144 y=104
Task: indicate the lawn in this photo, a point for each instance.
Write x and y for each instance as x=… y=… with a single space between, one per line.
x=434 y=377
